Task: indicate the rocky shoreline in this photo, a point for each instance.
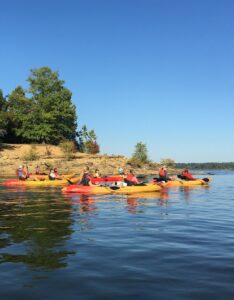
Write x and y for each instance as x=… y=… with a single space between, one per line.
x=13 y=155
x=48 y=156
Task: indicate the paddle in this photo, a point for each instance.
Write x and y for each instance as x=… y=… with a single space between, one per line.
x=69 y=181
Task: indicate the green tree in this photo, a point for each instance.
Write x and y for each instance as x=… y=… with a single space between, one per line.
x=84 y=132
x=3 y=119
x=141 y=153
x=19 y=108
x=52 y=116
x=90 y=144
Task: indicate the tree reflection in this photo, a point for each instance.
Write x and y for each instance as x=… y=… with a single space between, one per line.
x=38 y=227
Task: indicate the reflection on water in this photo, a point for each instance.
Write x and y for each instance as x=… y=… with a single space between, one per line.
x=34 y=228
x=177 y=243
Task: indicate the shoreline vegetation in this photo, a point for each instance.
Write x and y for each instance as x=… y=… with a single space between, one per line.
x=49 y=156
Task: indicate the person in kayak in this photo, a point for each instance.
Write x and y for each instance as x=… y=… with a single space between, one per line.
x=121 y=171
x=186 y=175
x=38 y=171
x=21 y=173
x=57 y=176
x=131 y=179
x=163 y=175
x=96 y=173
x=53 y=175
x=85 y=179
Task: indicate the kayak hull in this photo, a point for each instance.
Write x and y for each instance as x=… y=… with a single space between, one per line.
x=106 y=179
x=16 y=182
x=44 y=177
x=80 y=189
x=175 y=183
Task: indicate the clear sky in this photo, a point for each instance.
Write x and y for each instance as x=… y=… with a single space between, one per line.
x=159 y=72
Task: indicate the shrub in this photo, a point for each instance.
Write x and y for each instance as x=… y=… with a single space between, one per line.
x=48 y=151
x=92 y=147
x=167 y=162
x=31 y=154
x=141 y=154
x=68 y=148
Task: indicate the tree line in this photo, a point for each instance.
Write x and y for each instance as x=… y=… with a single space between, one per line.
x=206 y=166
x=43 y=113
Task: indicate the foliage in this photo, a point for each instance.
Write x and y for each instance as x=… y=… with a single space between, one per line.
x=18 y=109
x=89 y=141
x=92 y=147
x=141 y=153
x=43 y=113
x=68 y=148
x=206 y=166
x=167 y=162
x=31 y=154
x=3 y=121
x=47 y=116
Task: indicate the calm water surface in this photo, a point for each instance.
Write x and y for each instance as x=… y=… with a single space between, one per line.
x=177 y=244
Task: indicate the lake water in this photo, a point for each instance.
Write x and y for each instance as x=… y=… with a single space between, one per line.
x=177 y=244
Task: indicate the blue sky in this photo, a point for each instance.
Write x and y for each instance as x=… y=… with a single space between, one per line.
x=159 y=72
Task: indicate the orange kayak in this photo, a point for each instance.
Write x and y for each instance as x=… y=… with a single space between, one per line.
x=80 y=189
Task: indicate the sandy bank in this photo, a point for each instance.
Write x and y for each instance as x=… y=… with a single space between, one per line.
x=13 y=155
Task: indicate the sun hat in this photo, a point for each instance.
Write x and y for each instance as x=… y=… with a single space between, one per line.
x=20 y=167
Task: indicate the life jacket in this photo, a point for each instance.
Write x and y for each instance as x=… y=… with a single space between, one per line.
x=132 y=178
x=187 y=175
x=162 y=173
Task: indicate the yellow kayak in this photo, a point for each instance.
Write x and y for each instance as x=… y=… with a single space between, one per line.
x=16 y=182
x=44 y=177
x=173 y=183
x=108 y=190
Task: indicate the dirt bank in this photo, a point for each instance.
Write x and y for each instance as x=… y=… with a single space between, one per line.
x=47 y=156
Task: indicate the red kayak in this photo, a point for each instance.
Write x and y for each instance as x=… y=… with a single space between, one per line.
x=106 y=179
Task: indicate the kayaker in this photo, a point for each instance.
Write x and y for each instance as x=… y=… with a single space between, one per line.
x=163 y=175
x=121 y=171
x=186 y=175
x=57 y=176
x=21 y=173
x=53 y=175
x=131 y=179
x=38 y=171
x=96 y=173
x=85 y=179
